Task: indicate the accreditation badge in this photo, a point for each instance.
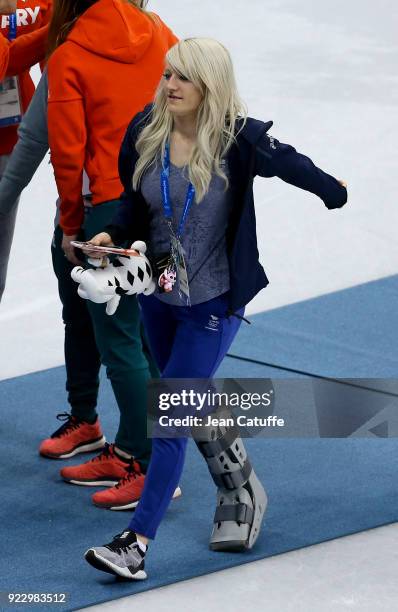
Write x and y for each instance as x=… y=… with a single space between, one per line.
x=10 y=102
x=177 y=253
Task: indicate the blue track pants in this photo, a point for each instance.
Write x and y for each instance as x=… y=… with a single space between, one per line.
x=186 y=342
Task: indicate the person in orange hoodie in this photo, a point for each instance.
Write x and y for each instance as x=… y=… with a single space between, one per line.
x=29 y=48
x=4 y=53
x=26 y=51
x=28 y=16
x=17 y=18
x=106 y=58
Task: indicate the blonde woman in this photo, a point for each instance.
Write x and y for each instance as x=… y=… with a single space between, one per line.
x=187 y=164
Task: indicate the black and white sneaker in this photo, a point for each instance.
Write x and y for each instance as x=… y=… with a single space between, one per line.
x=122 y=557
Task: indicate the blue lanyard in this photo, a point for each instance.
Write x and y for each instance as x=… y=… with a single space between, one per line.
x=12 y=28
x=165 y=187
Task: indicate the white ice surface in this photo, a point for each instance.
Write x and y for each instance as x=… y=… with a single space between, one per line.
x=352 y=574
x=325 y=73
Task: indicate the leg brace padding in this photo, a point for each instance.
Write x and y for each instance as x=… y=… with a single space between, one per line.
x=241 y=499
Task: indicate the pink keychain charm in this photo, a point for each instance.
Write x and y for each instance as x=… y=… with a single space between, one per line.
x=167 y=280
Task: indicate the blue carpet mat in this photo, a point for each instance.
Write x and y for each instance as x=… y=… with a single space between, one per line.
x=347 y=334
x=318 y=489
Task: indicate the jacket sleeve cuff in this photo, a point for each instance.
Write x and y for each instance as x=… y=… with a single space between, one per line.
x=339 y=200
x=70 y=231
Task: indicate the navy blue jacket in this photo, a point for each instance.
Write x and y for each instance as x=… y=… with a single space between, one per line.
x=254 y=153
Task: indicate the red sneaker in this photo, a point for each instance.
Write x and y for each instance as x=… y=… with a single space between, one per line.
x=73 y=437
x=126 y=494
x=104 y=470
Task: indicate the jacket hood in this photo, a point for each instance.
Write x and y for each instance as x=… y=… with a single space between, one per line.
x=114 y=29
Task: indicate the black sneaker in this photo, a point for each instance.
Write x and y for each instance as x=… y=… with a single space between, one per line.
x=122 y=557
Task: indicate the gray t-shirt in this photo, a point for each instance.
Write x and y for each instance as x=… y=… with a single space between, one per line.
x=204 y=235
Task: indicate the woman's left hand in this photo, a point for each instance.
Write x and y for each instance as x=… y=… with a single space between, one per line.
x=342 y=183
x=69 y=249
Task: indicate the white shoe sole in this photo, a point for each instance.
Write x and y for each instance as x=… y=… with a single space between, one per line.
x=177 y=493
x=104 y=565
x=86 y=448
x=93 y=483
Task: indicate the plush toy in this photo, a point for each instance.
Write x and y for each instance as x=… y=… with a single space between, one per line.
x=125 y=276
x=167 y=280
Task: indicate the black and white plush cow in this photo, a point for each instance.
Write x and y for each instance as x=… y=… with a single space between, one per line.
x=125 y=276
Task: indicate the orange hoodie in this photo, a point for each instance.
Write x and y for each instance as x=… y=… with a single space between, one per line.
x=3 y=57
x=31 y=15
x=106 y=71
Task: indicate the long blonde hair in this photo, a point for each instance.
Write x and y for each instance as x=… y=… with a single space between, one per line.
x=208 y=65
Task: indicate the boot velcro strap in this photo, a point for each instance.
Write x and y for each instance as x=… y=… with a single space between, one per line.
x=234 y=480
x=216 y=447
x=240 y=513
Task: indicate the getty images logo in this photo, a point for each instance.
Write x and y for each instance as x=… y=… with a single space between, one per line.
x=25 y=16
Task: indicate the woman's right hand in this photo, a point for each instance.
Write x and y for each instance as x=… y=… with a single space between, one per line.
x=101 y=239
